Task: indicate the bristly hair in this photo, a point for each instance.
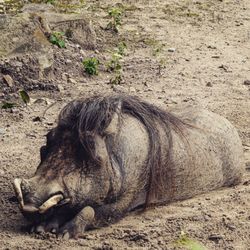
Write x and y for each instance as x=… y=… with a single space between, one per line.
x=94 y=114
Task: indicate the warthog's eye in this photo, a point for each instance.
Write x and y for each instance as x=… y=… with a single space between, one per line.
x=43 y=153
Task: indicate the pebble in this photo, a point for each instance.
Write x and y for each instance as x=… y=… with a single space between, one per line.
x=171 y=50
x=211 y=47
x=37 y=119
x=209 y=84
x=132 y=89
x=8 y=79
x=215 y=237
x=82 y=52
x=2 y=131
x=224 y=67
x=60 y=87
x=71 y=80
x=231 y=227
x=246 y=82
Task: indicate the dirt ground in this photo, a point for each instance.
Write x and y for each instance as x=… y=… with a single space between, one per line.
x=178 y=53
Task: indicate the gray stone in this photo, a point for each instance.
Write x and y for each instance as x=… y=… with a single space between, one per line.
x=8 y=79
x=171 y=50
x=246 y=82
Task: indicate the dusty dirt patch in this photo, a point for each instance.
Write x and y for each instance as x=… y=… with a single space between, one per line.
x=179 y=53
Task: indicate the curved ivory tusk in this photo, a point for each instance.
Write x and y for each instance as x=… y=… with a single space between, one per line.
x=29 y=209
x=17 y=187
x=51 y=202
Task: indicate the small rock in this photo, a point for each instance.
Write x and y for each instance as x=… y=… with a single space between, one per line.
x=8 y=79
x=41 y=101
x=65 y=76
x=246 y=82
x=82 y=52
x=60 y=87
x=211 y=47
x=132 y=89
x=231 y=227
x=215 y=237
x=209 y=84
x=68 y=61
x=16 y=64
x=246 y=183
x=37 y=119
x=14 y=110
x=2 y=131
x=71 y=80
x=171 y=50
x=224 y=67
x=248 y=165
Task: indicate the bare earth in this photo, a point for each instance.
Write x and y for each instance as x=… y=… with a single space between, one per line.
x=179 y=53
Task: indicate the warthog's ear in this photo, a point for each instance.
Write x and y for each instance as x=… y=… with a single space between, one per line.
x=95 y=147
x=113 y=126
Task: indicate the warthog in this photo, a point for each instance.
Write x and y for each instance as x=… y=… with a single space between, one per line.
x=109 y=155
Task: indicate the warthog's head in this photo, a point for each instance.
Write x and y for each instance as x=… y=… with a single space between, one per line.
x=75 y=166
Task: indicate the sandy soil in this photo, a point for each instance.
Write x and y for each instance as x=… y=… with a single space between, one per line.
x=179 y=53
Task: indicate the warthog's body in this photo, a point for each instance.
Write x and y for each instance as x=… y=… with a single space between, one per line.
x=109 y=155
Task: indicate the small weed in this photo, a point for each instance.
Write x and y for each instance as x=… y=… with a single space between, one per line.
x=114 y=65
x=157 y=49
x=115 y=14
x=190 y=244
x=8 y=105
x=57 y=39
x=156 y=46
x=24 y=96
x=51 y=1
x=91 y=65
x=116 y=79
x=122 y=46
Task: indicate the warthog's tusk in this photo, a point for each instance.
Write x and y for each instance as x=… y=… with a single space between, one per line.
x=18 y=191
x=29 y=209
x=51 y=202
x=19 y=195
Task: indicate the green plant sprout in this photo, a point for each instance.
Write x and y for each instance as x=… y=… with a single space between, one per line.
x=7 y=105
x=115 y=14
x=57 y=39
x=114 y=65
x=185 y=242
x=24 y=96
x=91 y=65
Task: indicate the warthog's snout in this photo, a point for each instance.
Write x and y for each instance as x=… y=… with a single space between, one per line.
x=30 y=202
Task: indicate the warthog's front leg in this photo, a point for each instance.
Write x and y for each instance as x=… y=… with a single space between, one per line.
x=69 y=229
x=75 y=227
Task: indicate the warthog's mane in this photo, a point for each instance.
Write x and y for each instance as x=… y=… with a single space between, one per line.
x=94 y=114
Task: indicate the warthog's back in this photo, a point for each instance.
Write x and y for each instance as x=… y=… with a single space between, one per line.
x=208 y=157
